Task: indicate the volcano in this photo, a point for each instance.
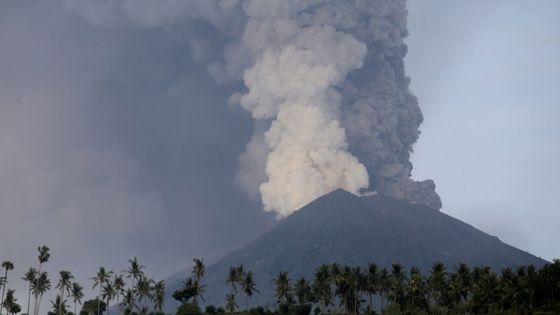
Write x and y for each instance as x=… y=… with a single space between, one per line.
x=343 y=228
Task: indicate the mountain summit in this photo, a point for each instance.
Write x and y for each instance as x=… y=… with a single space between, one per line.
x=343 y=228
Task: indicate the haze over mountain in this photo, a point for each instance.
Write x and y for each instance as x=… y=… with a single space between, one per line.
x=343 y=228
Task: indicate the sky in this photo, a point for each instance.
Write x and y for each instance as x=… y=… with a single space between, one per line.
x=115 y=142
x=491 y=134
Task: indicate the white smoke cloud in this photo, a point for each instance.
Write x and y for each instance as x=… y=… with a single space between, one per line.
x=292 y=82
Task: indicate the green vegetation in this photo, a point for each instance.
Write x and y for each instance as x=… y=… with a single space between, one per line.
x=334 y=289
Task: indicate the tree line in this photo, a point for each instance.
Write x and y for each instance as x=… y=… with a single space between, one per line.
x=137 y=297
x=334 y=288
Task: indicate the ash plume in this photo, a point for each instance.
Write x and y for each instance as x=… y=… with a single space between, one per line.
x=324 y=81
x=330 y=75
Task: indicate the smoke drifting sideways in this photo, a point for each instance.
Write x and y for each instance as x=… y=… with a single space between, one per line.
x=324 y=81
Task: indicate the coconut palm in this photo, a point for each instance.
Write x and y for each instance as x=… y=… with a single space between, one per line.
x=77 y=293
x=340 y=278
x=302 y=291
x=463 y=282
x=335 y=272
x=231 y=304
x=239 y=273
x=249 y=287
x=322 y=286
x=198 y=269
x=42 y=285
x=232 y=279
x=10 y=303
x=384 y=285
x=485 y=292
x=44 y=255
x=196 y=289
x=142 y=289
x=372 y=283
x=357 y=284
x=128 y=300
x=348 y=286
x=7 y=265
x=416 y=290
x=396 y=288
x=58 y=305
x=64 y=284
x=283 y=288
x=158 y=293
x=108 y=293
x=101 y=278
x=118 y=286
x=29 y=277
x=135 y=270
x=438 y=284
x=235 y=277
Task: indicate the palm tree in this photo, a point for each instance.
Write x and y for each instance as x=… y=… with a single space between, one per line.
x=372 y=283
x=232 y=279
x=142 y=289
x=485 y=283
x=108 y=294
x=43 y=257
x=384 y=285
x=416 y=291
x=348 y=287
x=128 y=300
x=135 y=270
x=7 y=265
x=118 y=285
x=340 y=277
x=198 y=269
x=396 y=288
x=249 y=287
x=30 y=277
x=101 y=278
x=322 y=285
x=59 y=305
x=438 y=284
x=463 y=282
x=195 y=289
x=531 y=280
x=239 y=274
x=235 y=276
x=158 y=290
x=302 y=291
x=10 y=303
x=357 y=285
x=77 y=293
x=283 y=288
x=64 y=284
x=231 y=305
x=43 y=284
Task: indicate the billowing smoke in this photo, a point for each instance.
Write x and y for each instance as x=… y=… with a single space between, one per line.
x=330 y=76
x=325 y=82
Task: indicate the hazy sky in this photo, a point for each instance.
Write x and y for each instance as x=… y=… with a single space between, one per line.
x=486 y=74
x=115 y=144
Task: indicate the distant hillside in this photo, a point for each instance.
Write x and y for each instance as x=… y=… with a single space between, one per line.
x=343 y=228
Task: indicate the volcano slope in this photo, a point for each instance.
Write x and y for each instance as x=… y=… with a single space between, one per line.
x=343 y=228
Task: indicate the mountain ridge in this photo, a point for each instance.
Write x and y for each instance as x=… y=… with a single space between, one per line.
x=343 y=228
